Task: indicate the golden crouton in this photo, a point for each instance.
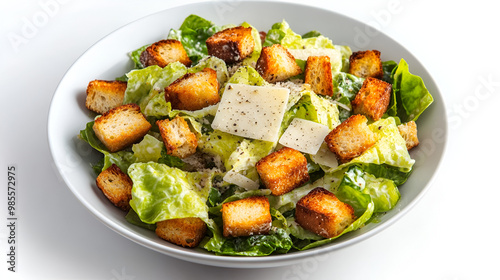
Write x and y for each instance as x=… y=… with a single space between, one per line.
x=321 y=212
x=194 y=91
x=246 y=217
x=185 y=232
x=372 y=99
x=116 y=186
x=177 y=137
x=121 y=127
x=163 y=53
x=231 y=44
x=283 y=170
x=409 y=132
x=318 y=74
x=104 y=95
x=366 y=64
x=351 y=138
x=276 y=64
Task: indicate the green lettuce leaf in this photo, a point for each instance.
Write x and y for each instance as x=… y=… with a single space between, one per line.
x=136 y=56
x=145 y=84
x=388 y=67
x=123 y=159
x=312 y=107
x=360 y=188
x=410 y=96
x=193 y=33
x=277 y=241
x=309 y=243
x=134 y=219
x=214 y=63
x=281 y=33
x=244 y=158
x=345 y=88
x=390 y=148
x=159 y=108
x=252 y=59
x=161 y=192
x=247 y=75
x=149 y=149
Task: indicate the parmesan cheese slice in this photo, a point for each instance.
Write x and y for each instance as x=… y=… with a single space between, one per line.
x=334 y=54
x=325 y=157
x=251 y=111
x=236 y=178
x=305 y=136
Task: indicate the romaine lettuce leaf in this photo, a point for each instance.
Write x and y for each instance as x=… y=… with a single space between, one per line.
x=252 y=59
x=281 y=33
x=136 y=56
x=314 y=108
x=277 y=241
x=390 y=148
x=388 y=67
x=247 y=75
x=410 y=96
x=310 y=243
x=345 y=88
x=161 y=192
x=123 y=159
x=145 y=84
x=193 y=33
x=246 y=155
x=359 y=188
x=149 y=149
x=214 y=63
x=158 y=107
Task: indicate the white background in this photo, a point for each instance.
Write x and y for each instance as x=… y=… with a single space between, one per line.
x=452 y=234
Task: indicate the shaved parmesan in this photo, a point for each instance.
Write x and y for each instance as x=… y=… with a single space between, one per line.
x=233 y=177
x=305 y=136
x=334 y=54
x=251 y=111
x=325 y=157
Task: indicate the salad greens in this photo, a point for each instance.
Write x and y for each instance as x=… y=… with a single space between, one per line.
x=166 y=187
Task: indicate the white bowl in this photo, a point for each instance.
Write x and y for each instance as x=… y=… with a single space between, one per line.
x=108 y=59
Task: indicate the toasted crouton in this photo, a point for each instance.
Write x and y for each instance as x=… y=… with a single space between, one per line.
x=231 y=44
x=276 y=64
x=164 y=52
x=194 y=91
x=116 y=186
x=246 y=217
x=177 y=137
x=351 y=138
x=318 y=74
x=409 y=132
x=185 y=232
x=372 y=99
x=121 y=127
x=283 y=170
x=321 y=212
x=366 y=64
x=104 y=95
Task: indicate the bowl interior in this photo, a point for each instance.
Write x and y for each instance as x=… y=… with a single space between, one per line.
x=108 y=59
